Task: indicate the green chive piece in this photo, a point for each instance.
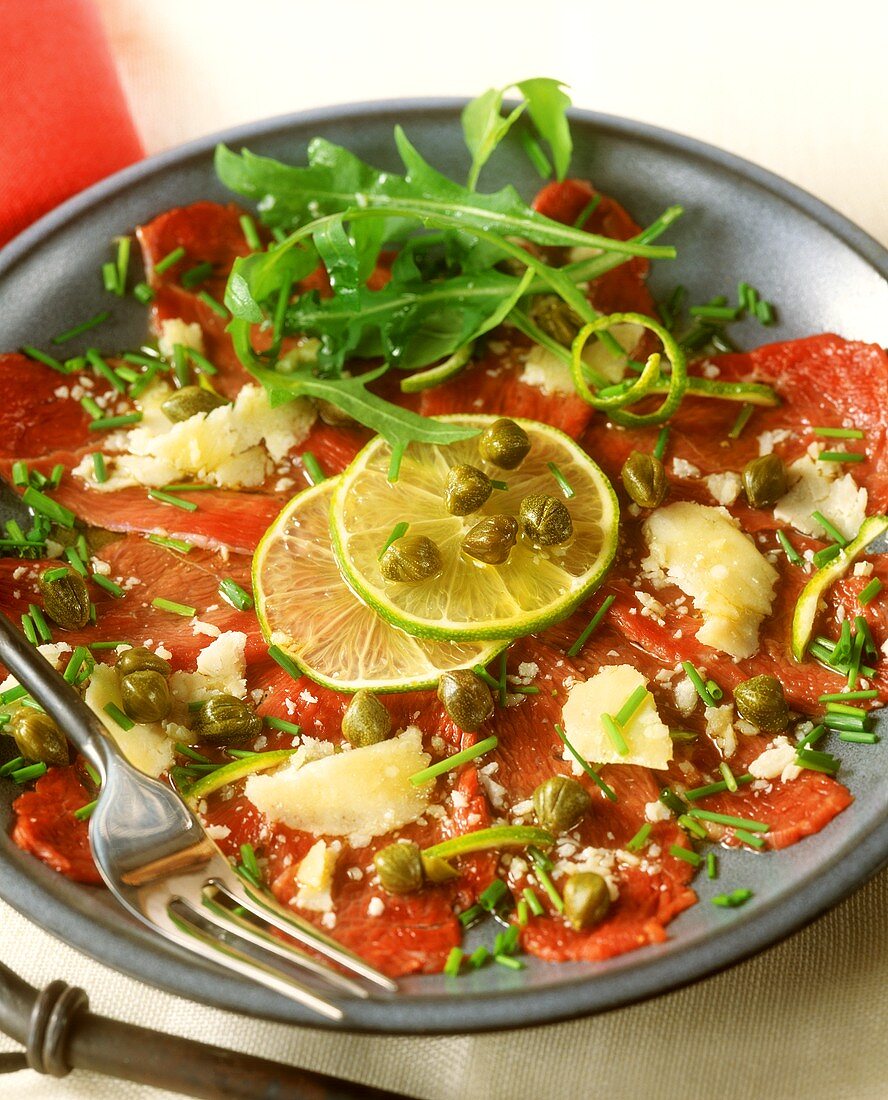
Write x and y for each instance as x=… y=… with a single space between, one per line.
x=89 y=405
x=76 y=561
x=171 y=258
x=523 y=913
x=693 y=827
x=640 y=838
x=180 y=545
x=110 y=586
x=868 y=594
x=841 y=696
x=312 y=467
x=55 y=574
x=215 y=306
x=509 y=962
x=250 y=232
x=492 y=895
x=33 y=771
x=711 y=865
x=794 y=556
x=845 y=722
x=484 y=675
x=55 y=477
x=143 y=293
x=201 y=362
x=859 y=737
x=841 y=456
x=541 y=869
x=42 y=504
x=40 y=623
x=832 y=531
x=749 y=838
x=764 y=312
x=109 y=645
x=728 y=776
x=75 y=662
x=282 y=725
x=715 y=691
x=608 y=792
x=627 y=711
x=181 y=372
x=592 y=627
x=232 y=593
x=12 y=695
x=742 y=420
x=114 y=712
x=173 y=607
x=747 y=296
x=84 y=326
x=12 y=766
x=533 y=902
x=502 y=683
x=672 y=801
x=697 y=680
x=840 y=433
x=826 y=555
x=501 y=485
x=187 y=487
x=564 y=484
x=468 y=916
x=587 y=211
x=726 y=819
x=687 y=854
x=817 y=762
x=29 y=629
x=398 y=532
x=20 y=476
x=456 y=955
x=124 y=246
x=662 y=441
x=99 y=467
x=732 y=900
x=85 y=812
x=248 y=859
x=109 y=277
x=451 y=762
x=176 y=502
x=46 y=360
x=714 y=313
x=287 y=664
x=105 y=423
x=478 y=957
x=192 y=754
x=862 y=627
x=194 y=276
x=834 y=707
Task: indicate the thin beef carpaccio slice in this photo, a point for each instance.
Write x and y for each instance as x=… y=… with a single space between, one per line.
x=46 y=827
x=38 y=416
x=493 y=383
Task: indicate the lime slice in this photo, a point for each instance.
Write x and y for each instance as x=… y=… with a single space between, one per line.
x=809 y=599
x=306 y=608
x=534 y=588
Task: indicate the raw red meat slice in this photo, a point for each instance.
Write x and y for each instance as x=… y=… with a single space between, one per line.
x=46 y=827
x=33 y=420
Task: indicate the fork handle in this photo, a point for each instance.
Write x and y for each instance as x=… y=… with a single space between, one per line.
x=57 y=697
x=59 y=1034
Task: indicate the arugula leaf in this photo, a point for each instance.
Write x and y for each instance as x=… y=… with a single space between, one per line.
x=484 y=128
x=547 y=105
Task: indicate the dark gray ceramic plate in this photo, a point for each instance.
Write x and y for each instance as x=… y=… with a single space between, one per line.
x=741 y=223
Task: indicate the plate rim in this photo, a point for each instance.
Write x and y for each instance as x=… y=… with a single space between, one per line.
x=132 y=949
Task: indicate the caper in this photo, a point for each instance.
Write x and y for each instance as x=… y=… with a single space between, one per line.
x=65 y=599
x=189 y=401
x=491 y=539
x=586 y=900
x=466 y=699
x=145 y=695
x=332 y=414
x=140 y=659
x=559 y=802
x=366 y=721
x=556 y=318
x=411 y=559
x=764 y=480
x=644 y=479
x=762 y=702
x=438 y=870
x=399 y=867
x=467 y=489
x=38 y=737
x=504 y=444
x=545 y=520
x=224 y=718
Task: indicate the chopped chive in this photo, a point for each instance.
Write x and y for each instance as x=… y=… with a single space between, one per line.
x=232 y=593
x=523 y=914
x=201 y=362
x=484 y=675
x=33 y=771
x=697 y=680
x=75 y=662
x=728 y=776
x=749 y=838
x=468 y=916
x=169 y=259
x=85 y=811
x=114 y=712
x=862 y=627
x=533 y=902
x=587 y=210
x=492 y=895
x=46 y=360
x=215 y=306
x=841 y=456
x=593 y=625
x=143 y=293
x=742 y=420
x=42 y=504
x=250 y=232
x=456 y=955
x=12 y=695
x=194 y=276
x=287 y=664
x=764 y=311
x=89 y=405
x=104 y=423
x=76 y=561
x=312 y=468
x=509 y=962
x=714 y=313
x=502 y=683
x=794 y=556
x=834 y=707
x=109 y=277
x=692 y=826
x=398 y=532
x=609 y=792
x=541 y=868
x=142 y=360
x=99 y=468
x=192 y=754
x=662 y=441
x=727 y=819
x=282 y=725
x=478 y=957
x=672 y=801
x=832 y=531
x=711 y=865
x=746 y=296
x=248 y=859
x=29 y=629
x=819 y=762
x=451 y=762
x=840 y=433
x=181 y=545
x=501 y=485
x=846 y=722
x=826 y=555
x=20 y=476
x=108 y=645
x=55 y=574
x=124 y=246
x=110 y=586
x=732 y=900
x=859 y=737
x=841 y=696
x=529 y=689
x=627 y=711
x=187 y=487
x=11 y=766
x=715 y=691
x=181 y=371
x=565 y=485
x=640 y=838
x=74 y=364
x=687 y=854
x=84 y=326
x=176 y=608
x=868 y=594
x=56 y=475
x=176 y=502
x=40 y=623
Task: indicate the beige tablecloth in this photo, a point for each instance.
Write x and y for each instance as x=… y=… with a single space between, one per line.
x=799 y=89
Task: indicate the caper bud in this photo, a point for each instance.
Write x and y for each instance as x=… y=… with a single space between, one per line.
x=762 y=702
x=545 y=520
x=438 y=870
x=559 y=802
x=467 y=489
x=764 y=480
x=399 y=867
x=586 y=900
x=189 y=401
x=504 y=444
x=65 y=599
x=145 y=696
x=411 y=559
x=491 y=539
x=644 y=479
x=224 y=718
x=38 y=737
x=366 y=721
x=331 y=414
x=140 y=659
x=556 y=318
x=466 y=699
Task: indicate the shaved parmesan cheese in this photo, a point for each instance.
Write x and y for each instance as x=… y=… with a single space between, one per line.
x=314 y=876
x=725 y=488
x=776 y=761
x=816 y=486
x=221 y=667
x=550 y=374
x=701 y=550
x=647 y=737
x=720 y=728
x=365 y=792
x=176 y=331
x=146 y=746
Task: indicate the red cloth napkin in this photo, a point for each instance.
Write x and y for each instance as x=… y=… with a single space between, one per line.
x=64 y=122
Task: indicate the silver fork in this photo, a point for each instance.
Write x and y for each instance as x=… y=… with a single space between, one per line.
x=158 y=861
